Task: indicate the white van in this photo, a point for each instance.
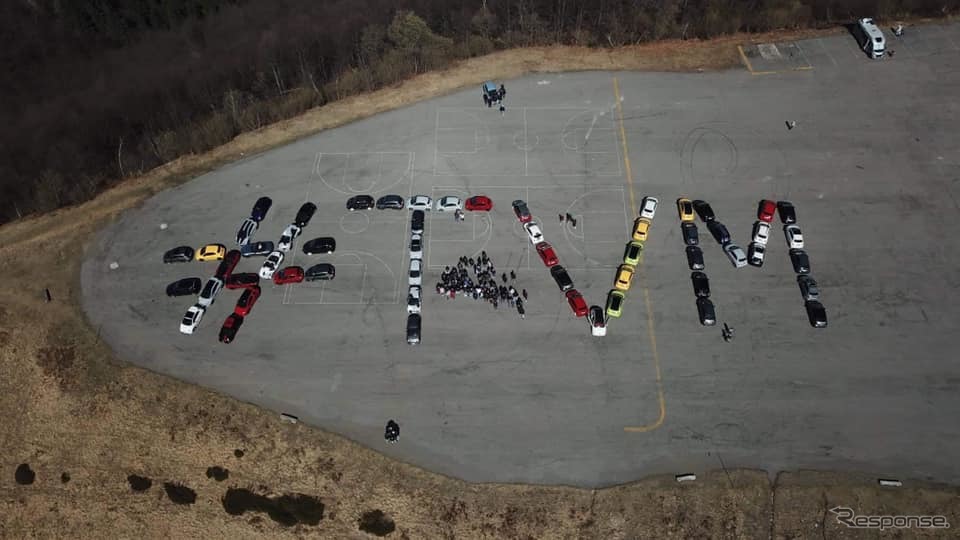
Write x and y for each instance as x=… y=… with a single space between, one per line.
x=871 y=38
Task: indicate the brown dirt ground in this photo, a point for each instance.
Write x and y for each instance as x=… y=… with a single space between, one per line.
x=84 y=420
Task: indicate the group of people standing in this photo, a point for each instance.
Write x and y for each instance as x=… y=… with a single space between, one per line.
x=483 y=285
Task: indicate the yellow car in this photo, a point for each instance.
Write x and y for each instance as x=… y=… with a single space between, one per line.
x=624 y=277
x=211 y=252
x=685 y=209
x=633 y=253
x=640 y=229
x=615 y=303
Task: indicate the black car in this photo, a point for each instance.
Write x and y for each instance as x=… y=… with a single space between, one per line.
x=416 y=222
x=703 y=209
x=324 y=244
x=808 y=287
x=788 y=214
x=322 y=271
x=562 y=278
x=800 y=261
x=690 y=235
x=719 y=232
x=178 y=255
x=391 y=202
x=246 y=230
x=816 y=313
x=304 y=214
x=360 y=202
x=706 y=312
x=694 y=258
x=184 y=287
x=256 y=248
x=701 y=284
x=260 y=209
x=413 y=329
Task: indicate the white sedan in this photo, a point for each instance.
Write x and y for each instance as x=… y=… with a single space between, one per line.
x=420 y=202
x=761 y=232
x=416 y=272
x=534 y=232
x=271 y=265
x=794 y=236
x=416 y=246
x=191 y=319
x=648 y=208
x=210 y=291
x=449 y=204
x=289 y=234
x=413 y=299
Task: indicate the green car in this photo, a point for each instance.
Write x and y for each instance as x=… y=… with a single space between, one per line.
x=615 y=303
x=633 y=253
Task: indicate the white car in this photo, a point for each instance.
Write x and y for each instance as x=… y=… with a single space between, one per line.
x=648 y=208
x=755 y=254
x=413 y=299
x=736 y=255
x=449 y=204
x=245 y=232
x=210 y=291
x=533 y=231
x=288 y=236
x=191 y=319
x=271 y=264
x=416 y=272
x=416 y=246
x=420 y=202
x=761 y=232
x=794 y=236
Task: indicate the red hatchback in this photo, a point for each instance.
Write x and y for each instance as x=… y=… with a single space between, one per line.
x=549 y=257
x=247 y=300
x=479 y=203
x=577 y=303
x=228 y=332
x=290 y=274
x=766 y=210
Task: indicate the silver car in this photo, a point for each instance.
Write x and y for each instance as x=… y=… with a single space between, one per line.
x=736 y=255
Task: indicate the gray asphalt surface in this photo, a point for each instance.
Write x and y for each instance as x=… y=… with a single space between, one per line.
x=872 y=167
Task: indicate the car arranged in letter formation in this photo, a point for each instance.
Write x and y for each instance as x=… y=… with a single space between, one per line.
x=632 y=255
x=248 y=282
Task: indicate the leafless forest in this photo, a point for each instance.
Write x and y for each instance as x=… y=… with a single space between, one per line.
x=95 y=90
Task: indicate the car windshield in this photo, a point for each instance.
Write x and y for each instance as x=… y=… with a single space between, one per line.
x=615 y=303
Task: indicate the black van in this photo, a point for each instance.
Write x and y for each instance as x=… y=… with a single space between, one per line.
x=413 y=329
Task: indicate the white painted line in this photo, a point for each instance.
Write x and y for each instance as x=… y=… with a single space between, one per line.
x=586 y=138
x=805 y=59
x=525 y=145
x=825 y=51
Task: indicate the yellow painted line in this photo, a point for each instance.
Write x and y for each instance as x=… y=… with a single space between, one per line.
x=646 y=292
x=743 y=56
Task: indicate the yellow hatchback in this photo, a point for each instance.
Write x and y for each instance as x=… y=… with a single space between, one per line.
x=211 y=252
x=640 y=229
x=624 y=277
x=685 y=209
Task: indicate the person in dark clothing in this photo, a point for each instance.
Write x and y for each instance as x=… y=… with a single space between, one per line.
x=502 y=92
x=513 y=275
x=392 y=432
x=524 y=294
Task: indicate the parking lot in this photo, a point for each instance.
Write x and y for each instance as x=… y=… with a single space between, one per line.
x=488 y=396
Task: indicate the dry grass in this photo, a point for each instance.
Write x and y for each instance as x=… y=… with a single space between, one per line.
x=83 y=421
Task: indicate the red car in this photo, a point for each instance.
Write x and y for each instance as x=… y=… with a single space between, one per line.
x=228 y=332
x=549 y=257
x=521 y=210
x=577 y=303
x=765 y=211
x=290 y=274
x=227 y=265
x=242 y=280
x=247 y=300
x=479 y=203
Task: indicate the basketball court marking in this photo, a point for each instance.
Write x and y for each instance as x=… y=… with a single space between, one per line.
x=482 y=136
x=340 y=185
